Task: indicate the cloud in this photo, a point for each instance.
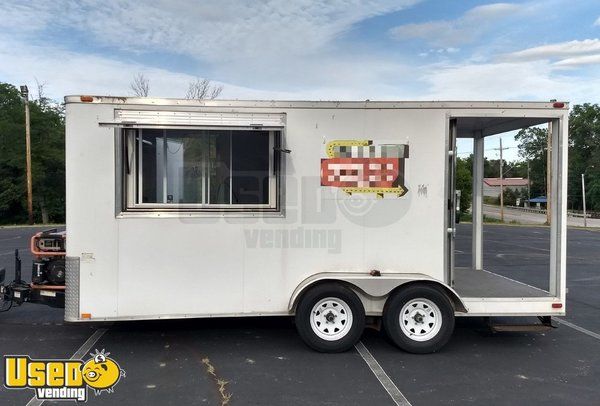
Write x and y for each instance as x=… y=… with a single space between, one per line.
x=579 y=61
x=532 y=80
x=557 y=50
x=211 y=30
x=281 y=50
x=273 y=44
x=440 y=51
x=463 y=30
x=68 y=72
x=26 y=16
x=597 y=22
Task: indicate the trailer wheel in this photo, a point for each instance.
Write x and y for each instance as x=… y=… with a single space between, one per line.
x=419 y=319
x=330 y=318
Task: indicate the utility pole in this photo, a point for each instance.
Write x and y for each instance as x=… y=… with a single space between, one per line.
x=549 y=173
x=501 y=184
x=501 y=180
x=528 y=182
x=583 y=195
x=25 y=95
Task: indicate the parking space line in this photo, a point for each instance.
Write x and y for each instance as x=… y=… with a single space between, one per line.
x=81 y=351
x=580 y=329
x=381 y=375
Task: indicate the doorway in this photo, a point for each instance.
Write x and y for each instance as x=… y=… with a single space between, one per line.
x=503 y=269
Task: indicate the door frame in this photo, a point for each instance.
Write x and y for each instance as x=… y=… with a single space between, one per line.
x=450 y=199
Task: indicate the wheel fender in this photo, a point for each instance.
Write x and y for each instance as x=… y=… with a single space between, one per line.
x=374 y=286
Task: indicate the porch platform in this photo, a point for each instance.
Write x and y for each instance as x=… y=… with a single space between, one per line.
x=471 y=283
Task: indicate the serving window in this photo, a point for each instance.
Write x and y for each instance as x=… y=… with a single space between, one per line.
x=201 y=169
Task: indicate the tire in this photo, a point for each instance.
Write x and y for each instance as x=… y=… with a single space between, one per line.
x=419 y=319
x=330 y=318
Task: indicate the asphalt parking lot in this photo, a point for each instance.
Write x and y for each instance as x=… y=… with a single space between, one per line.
x=262 y=361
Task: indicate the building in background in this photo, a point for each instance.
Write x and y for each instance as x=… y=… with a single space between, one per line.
x=491 y=186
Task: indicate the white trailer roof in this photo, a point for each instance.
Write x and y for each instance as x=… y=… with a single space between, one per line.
x=308 y=104
x=467 y=126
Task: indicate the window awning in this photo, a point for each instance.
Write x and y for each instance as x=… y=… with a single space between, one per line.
x=190 y=119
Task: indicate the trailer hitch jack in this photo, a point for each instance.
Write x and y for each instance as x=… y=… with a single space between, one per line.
x=17 y=291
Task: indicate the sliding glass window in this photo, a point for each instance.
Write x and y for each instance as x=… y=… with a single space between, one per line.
x=228 y=170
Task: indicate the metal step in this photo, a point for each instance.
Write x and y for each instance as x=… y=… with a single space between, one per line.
x=544 y=325
x=520 y=328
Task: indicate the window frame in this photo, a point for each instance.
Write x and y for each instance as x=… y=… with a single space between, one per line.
x=131 y=176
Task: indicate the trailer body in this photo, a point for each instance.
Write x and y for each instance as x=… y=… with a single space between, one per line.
x=359 y=193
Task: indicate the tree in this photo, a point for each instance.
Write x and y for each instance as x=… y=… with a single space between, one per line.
x=516 y=169
x=42 y=100
x=584 y=155
x=48 y=160
x=533 y=148
x=464 y=182
x=513 y=169
x=491 y=168
x=140 y=85
x=203 y=89
x=511 y=196
x=47 y=155
x=12 y=156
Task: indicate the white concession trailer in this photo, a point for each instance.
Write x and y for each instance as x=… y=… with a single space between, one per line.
x=335 y=212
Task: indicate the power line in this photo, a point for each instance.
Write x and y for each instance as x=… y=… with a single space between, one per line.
x=488 y=149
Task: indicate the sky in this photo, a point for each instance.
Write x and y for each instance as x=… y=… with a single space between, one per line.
x=320 y=50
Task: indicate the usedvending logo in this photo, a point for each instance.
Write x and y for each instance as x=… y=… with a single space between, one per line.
x=63 y=379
